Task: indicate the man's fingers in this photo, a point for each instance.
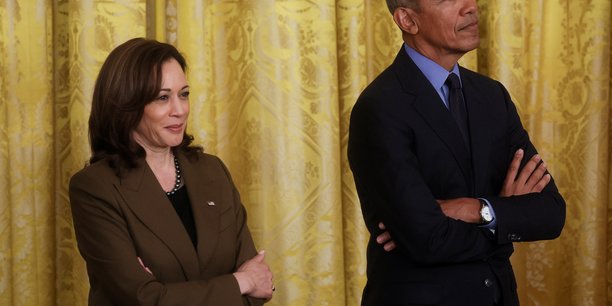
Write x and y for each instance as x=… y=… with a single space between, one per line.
x=389 y=246
x=542 y=183
x=536 y=176
x=531 y=178
x=514 y=167
x=528 y=169
x=384 y=237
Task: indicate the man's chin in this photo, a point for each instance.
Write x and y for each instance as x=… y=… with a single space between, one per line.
x=470 y=45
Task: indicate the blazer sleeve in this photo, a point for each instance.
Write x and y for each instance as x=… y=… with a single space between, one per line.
x=244 y=241
x=116 y=276
x=529 y=217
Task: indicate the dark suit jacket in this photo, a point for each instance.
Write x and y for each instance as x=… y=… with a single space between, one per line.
x=405 y=152
x=119 y=219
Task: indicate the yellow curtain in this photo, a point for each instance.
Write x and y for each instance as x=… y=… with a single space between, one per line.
x=273 y=83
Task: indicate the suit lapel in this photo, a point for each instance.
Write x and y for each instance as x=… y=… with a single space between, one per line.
x=427 y=103
x=145 y=197
x=444 y=126
x=206 y=203
x=477 y=119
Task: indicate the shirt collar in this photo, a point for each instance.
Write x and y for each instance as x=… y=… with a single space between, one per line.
x=435 y=73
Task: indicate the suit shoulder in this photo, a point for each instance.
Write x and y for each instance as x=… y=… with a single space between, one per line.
x=96 y=172
x=95 y=180
x=480 y=80
x=383 y=93
x=386 y=83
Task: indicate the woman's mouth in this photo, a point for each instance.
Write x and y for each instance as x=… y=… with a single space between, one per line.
x=175 y=128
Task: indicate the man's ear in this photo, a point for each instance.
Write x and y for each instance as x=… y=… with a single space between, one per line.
x=405 y=18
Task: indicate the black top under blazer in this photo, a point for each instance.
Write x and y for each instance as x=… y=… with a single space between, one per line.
x=405 y=152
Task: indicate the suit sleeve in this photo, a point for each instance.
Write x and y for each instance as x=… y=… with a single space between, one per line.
x=105 y=243
x=392 y=189
x=530 y=217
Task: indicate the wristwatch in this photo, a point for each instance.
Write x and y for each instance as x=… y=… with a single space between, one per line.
x=485 y=213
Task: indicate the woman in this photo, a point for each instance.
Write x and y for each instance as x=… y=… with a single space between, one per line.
x=158 y=221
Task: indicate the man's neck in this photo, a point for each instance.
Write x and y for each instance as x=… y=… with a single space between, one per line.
x=441 y=57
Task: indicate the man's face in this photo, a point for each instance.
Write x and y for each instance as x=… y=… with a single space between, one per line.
x=447 y=26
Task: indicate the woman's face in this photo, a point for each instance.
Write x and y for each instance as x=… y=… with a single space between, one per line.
x=163 y=123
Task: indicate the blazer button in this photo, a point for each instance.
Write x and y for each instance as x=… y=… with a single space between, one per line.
x=514 y=237
x=488 y=283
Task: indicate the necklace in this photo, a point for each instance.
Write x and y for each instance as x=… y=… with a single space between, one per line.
x=178 y=178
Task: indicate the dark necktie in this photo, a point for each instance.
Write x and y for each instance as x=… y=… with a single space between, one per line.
x=456 y=105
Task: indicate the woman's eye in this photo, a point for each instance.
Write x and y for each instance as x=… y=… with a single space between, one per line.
x=185 y=94
x=162 y=98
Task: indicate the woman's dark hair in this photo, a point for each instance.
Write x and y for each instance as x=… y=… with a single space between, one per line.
x=129 y=79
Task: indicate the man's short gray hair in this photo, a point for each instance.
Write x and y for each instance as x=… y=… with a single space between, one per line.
x=393 y=4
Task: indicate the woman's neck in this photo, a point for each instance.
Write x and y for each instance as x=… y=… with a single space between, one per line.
x=159 y=157
x=162 y=164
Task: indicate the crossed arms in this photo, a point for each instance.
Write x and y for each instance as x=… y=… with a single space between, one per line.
x=532 y=178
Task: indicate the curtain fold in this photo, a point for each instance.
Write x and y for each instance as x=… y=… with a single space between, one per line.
x=272 y=87
x=26 y=157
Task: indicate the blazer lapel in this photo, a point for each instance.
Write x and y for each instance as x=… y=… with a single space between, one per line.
x=206 y=203
x=145 y=197
x=435 y=114
x=477 y=119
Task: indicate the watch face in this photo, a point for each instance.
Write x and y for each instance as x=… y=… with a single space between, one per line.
x=485 y=212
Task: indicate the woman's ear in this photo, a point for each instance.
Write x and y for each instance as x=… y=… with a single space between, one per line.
x=405 y=18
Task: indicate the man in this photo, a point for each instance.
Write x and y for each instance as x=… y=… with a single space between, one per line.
x=439 y=163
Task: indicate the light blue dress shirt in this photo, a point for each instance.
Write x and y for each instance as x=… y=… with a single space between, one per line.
x=435 y=74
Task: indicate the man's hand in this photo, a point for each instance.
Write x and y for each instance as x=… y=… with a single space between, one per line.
x=532 y=178
x=385 y=238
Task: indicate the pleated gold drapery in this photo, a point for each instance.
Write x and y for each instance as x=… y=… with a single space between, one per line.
x=273 y=83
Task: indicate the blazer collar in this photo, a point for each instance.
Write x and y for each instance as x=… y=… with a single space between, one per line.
x=427 y=103
x=148 y=201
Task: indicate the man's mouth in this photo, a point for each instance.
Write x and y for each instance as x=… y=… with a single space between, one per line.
x=471 y=25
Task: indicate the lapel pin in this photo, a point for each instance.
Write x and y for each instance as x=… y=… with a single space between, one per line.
x=210 y=203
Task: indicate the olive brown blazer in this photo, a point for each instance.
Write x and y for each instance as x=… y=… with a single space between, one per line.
x=120 y=219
